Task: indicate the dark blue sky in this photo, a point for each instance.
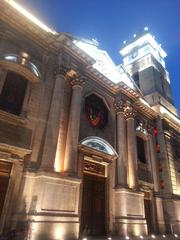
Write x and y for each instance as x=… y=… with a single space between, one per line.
x=111 y=22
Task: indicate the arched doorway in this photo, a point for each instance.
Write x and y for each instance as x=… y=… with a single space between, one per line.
x=97 y=155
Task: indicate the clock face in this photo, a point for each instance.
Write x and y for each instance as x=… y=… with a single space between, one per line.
x=135 y=54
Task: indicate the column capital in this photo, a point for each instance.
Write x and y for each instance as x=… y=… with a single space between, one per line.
x=119 y=106
x=129 y=110
x=60 y=70
x=78 y=80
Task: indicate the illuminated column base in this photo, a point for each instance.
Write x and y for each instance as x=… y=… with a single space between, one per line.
x=129 y=213
x=50 y=204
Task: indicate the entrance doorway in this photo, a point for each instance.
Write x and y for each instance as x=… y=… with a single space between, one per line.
x=93 y=205
x=148 y=212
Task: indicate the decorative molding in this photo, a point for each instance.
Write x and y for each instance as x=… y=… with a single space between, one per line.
x=12 y=118
x=78 y=80
x=14 y=151
x=61 y=70
x=94 y=168
x=119 y=106
x=129 y=110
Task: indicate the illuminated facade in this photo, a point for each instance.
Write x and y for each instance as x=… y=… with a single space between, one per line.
x=86 y=147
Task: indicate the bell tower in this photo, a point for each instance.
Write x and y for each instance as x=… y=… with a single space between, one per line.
x=143 y=59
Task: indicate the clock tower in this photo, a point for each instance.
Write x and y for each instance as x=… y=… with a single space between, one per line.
x=143 y=59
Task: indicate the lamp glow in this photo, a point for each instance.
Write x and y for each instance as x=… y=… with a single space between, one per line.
x=175 y=235
x=163 y=236
x=127 y=237
x=153 y=236
x=141 y=237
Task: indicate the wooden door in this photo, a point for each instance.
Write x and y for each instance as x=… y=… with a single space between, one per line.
x=148 y=215
x=93 y=206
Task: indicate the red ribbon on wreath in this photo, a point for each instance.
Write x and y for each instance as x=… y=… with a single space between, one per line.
x=94 y=116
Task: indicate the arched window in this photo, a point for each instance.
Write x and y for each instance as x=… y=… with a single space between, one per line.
x=98 y=144
x=141 y=153
x=13 y=92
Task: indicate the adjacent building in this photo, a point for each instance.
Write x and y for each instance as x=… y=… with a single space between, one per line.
x=86 y=147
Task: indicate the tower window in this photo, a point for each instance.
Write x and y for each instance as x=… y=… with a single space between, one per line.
x=135 y=76
x=141 y=150
x=13 y=92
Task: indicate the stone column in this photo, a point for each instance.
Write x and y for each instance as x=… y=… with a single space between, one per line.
x=121 y=144
x=153 y=163
x=52 y=129
x=132 y=149
x=70 y=163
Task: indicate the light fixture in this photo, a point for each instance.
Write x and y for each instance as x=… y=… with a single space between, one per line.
x=127 y=237
x=163 y=236
x=109 y=238
x=141 y=237
x=153 y=236
x=84 y=239
x=175 y=235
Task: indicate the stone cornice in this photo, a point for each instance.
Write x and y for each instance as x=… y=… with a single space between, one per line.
x=13 y=150
x=145 y=110
x=12 y=118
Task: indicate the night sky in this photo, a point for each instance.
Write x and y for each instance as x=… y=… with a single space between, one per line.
x=112 y=22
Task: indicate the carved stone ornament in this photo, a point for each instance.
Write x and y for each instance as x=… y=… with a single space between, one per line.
x=119 y=106
x=129 y=111
x=78 y=80
x=61 y=69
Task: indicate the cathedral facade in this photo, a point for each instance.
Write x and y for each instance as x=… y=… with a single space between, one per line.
x=87 y=148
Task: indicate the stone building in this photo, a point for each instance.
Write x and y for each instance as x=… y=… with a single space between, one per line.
x=86 y=147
